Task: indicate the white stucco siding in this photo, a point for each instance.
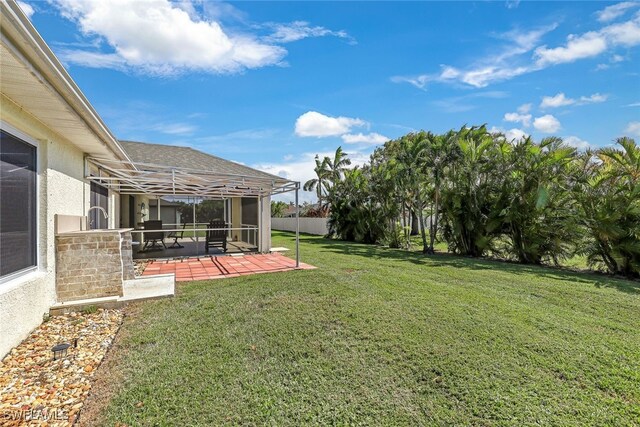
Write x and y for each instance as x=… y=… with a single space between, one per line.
x=265 y=224
x=61 y=190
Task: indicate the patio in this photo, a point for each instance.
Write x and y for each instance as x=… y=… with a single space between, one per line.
x=220 y=267
x=192 y=248
x=191 y=194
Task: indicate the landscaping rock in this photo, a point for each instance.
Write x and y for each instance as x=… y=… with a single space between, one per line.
x=38 y=390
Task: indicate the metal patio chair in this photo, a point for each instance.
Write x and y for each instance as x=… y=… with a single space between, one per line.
x=216 y=238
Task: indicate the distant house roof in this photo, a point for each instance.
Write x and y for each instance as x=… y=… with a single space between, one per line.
x=188 y=158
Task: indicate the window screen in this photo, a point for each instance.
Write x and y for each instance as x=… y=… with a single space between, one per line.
x=249 y=211
x=99 y=197
x=18 y=212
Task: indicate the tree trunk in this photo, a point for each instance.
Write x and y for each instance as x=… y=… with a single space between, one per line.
x=433 y=222
x=415 y=229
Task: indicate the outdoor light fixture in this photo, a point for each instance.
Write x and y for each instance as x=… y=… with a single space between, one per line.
x=60 y=350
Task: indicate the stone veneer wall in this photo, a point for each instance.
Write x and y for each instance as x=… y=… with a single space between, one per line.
x=92 y=265
x=128 y=270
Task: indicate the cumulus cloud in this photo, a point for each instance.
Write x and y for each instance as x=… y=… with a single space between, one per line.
x=314 y=124
x=298 y=30
x=360 y=138
x=561 y=100
x=26 y=8
x=591 y=44
x=159 y=37
x=555 y=101
x=546 y=124
x=524 y=108
x=525 y=119
x=576 y=142
x=612 y=12
x=511 y=135
x=633 y=129
x=577 y=47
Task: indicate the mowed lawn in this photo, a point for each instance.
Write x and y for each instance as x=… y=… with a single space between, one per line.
x=383 y=337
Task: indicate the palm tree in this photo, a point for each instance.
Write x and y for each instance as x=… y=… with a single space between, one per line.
x=608 y=190
x=337 y=165
x=319 y=183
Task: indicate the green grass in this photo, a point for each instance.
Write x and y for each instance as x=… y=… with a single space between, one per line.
x=384 y=337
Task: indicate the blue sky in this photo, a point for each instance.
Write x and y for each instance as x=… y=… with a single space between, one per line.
x=270 y=84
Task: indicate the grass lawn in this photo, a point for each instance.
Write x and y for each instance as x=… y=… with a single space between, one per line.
x=377 y=336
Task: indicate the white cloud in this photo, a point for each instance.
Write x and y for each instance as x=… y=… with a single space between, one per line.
x=175 y=128
x=300 y=168
x=612 y=12
x=546 y=124
x=525 y=119
x=626 y=34
x=633 y=104
x=578 y=47
x=591 y=44
x=298 y=30
x=316 y=124
x=158 y=37
x=576 y=142
x=561 y=100
x=513 y=60
x=370 y=138
x=633 y=129
x=511 y=135
x=524 y=108
x=595 y=98
x=26 y=8
x=512 y=4
x=490 y=69
x=418 y=81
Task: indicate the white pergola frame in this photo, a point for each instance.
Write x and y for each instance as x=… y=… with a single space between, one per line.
x=135 y=178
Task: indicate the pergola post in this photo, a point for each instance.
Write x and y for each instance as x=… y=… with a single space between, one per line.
x=297 y=228
x=158 y=215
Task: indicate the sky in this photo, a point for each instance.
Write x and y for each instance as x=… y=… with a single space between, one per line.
x=272 y=84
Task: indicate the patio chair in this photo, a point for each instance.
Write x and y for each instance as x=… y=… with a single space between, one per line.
x=216 y=238
x=153 y=237
x=175 y=235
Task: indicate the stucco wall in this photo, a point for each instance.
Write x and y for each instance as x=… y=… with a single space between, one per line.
x=61 y=190
x=265 y=225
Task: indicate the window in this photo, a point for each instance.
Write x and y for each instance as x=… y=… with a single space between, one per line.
x=18 y=206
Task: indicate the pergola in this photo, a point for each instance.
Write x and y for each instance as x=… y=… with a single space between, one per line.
x=134 y=178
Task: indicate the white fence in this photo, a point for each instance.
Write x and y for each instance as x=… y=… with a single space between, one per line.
x=317 y=226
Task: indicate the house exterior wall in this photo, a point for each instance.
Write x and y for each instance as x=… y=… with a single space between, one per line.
x=264 y=242
x=61 y=190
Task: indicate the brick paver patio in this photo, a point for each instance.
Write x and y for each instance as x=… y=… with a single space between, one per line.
x=219 y=267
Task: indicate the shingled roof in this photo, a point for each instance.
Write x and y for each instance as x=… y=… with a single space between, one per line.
x=163 y=170
x=188 y=158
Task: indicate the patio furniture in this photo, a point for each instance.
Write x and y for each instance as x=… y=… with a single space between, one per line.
x=153 y=237
x=175 y=235
x=216 y=238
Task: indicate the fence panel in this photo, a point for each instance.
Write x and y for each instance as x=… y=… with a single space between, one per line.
x=317 y=226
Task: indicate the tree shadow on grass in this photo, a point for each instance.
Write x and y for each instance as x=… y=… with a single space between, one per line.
x=598 y=280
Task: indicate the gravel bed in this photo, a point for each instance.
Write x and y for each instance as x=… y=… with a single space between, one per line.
x=38 y=390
